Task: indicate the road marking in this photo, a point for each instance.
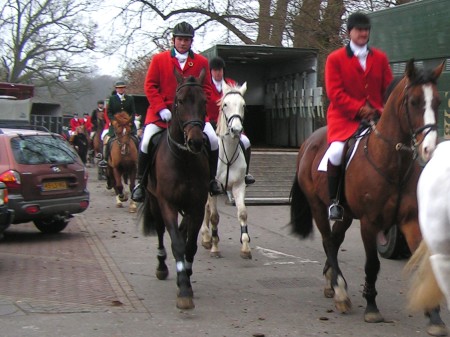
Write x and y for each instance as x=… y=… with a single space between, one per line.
x=274 y=254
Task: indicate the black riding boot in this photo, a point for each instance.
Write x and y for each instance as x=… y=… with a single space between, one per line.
x=247 y=154
x=335 y=211
x=138 y=194
x=214 y=186
x=104 y=162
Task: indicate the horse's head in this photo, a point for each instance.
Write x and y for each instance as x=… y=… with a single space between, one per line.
x=232 y=108
x=80 y=129
x=189 y=112
x=122 y=123
x=417 y=105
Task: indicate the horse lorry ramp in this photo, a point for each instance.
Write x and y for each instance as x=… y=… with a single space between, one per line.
x=274 y=172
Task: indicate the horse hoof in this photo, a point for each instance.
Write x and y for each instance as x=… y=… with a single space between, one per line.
x=185 y=303
x=343 y=306
x=437 y=330
x=132 y=208
x=123 y=197
x=328 y=292
x=162 y=274
x=207 y=245
x=119 y=205
x=215 y=254
x=246 y=255
x=373 y=317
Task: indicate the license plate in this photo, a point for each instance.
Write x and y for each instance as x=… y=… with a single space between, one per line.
x=54 y=185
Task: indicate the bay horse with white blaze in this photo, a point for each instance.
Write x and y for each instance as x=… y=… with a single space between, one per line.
x=122 y=161
x=379 y=185
x=430 y=263
x=178 y=183
x=230 y=170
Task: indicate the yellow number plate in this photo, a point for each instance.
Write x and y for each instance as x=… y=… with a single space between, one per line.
x=54 y=186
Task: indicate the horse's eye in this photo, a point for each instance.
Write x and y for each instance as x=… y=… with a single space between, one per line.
x=180 y=102
x=414 y=102
x=224 y=105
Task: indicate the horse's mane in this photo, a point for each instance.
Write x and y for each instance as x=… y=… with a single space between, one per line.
x=221 y=121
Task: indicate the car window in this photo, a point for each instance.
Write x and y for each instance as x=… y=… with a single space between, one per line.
x=42 y=150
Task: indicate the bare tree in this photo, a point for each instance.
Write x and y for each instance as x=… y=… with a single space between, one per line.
x=43 y=41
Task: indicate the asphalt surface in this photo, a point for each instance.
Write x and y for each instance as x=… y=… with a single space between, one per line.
x=97 y=279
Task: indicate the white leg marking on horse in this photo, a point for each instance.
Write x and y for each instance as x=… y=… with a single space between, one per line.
x=340 y=293
x=180 y=266
x=273 y=254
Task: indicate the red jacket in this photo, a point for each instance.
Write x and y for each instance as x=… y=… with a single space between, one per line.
x=161 y=83
x=348 y=88
x=76 y=122
x=212 y=109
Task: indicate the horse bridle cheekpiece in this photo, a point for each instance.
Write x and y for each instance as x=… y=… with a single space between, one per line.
x=193 y=123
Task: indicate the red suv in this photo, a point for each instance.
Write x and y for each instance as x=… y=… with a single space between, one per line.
x=45 y=177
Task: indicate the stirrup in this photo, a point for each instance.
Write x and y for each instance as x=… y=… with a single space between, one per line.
x=137 y=194
x=99 y=156
x=103 y=164
x=335 y=212
x=249 y=179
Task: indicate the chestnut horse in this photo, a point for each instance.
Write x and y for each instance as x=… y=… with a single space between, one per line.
x=178 y=184
x=379 y=185
x=122 y=161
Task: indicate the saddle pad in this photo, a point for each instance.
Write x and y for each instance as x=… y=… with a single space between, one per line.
x=323 y=163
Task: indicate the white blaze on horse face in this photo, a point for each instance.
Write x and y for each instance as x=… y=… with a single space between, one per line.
x=429 y=142
x=234 y=111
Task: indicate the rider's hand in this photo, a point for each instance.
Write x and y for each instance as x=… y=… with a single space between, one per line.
x=367 y=112
x=165 y=115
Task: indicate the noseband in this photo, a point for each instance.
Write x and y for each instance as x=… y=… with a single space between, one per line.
x=183 y=125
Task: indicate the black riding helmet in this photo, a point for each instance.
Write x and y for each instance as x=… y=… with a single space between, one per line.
x=183 y=29
x=217 y=63
x=358 y=20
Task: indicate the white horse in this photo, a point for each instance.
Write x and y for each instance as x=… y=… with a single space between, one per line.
x=430 y=263
x=230 y=170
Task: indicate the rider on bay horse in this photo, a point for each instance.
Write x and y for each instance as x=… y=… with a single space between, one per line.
x=118 y=101
x=160 y=85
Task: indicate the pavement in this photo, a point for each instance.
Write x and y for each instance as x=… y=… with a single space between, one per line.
x=96 y=279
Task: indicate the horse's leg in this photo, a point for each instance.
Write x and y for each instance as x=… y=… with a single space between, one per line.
x=118 y=187
x=206 y=236
x=372 y=267
x=133 y=206
x=332 y=238
x=239 y=199
x=161 y=270
x=214 y=252
x=185 y=294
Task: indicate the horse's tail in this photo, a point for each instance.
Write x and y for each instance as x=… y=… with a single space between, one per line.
x=424 y=292
x=301 y=216
x=145 y=216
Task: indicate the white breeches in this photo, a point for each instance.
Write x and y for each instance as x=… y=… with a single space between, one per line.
x=245 y=141
x=335 y=153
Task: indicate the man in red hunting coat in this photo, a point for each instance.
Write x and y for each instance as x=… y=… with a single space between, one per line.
x=160 y=85
x=356 y=78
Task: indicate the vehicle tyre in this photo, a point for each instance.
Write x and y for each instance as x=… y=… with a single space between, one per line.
x=392 y=245
x=51 y=225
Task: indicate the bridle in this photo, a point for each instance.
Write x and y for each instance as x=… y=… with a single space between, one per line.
x=183 y=125
x=229 y=120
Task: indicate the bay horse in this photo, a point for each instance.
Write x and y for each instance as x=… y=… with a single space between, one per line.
x=122 y=161
x=80 y=141
x=430 y=263
x=178 y=183
x=230 y=170
x=379 y=185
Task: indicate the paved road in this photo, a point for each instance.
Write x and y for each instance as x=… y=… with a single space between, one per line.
x=97 y=279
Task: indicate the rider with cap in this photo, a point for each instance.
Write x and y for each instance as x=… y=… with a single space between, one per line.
x=119 y=101
x=160 y=85
x=217 y=66
x=356 y=78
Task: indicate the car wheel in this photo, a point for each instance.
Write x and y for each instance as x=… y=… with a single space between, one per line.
x=51 y=225
x=391 y=244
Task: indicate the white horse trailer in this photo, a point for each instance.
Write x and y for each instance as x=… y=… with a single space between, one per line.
x=284 y=104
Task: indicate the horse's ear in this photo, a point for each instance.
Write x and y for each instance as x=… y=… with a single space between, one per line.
x=410 y=70
x=438 y=70
x=243 y=88
x=202 y=75
x=178 y=76
x=226 y=87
